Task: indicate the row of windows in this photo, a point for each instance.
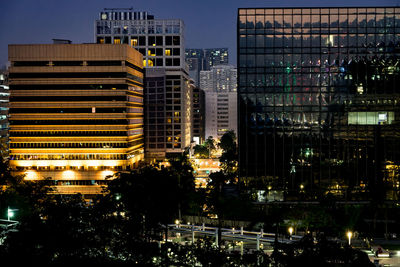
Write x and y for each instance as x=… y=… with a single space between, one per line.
x=113 y=86
x=168 y=145
x=68 y=98
x=22 y=75
x=322 y=11
x=75 y=63
x=69 y=122
x=317 y=21
x=71 y=110
x=162 y=139
x=69 y=157
x=106 y=28
x=153 y=131
x=80 y=168
x=160 y=51
x=384 y=42
x=80 y=182
x=67 y=133
x=71 y=145
x=141 y=40
x=159 y=62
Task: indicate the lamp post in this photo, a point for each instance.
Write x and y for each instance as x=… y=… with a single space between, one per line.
x=349 y=235
x=290 y=229
x=10 y=213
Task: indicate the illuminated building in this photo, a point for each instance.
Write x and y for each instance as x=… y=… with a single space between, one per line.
x=161 y=41
x=4 y=98
x=167 y=94
x=204 y=59
x=76 y=113
x=319 y=99
x=198 y=117
x=219 y=85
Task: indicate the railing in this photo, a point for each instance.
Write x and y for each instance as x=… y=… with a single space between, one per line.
x=235 y=234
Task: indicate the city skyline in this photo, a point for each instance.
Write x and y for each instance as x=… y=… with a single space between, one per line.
x=41 y=21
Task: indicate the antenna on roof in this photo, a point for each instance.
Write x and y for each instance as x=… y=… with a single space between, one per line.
x=119 y=8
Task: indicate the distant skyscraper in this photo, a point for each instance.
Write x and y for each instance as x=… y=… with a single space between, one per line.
x=76 y=113
x=167 y=91
x=198 y=111
x=204 y=59
x=319 y=99
x=215 y=57
x=219 y=85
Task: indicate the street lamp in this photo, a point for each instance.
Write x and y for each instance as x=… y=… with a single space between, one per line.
x=10 y=213
x=349 y=235
x=290 y=229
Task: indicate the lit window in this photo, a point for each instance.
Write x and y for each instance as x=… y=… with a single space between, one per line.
x=117 y=41
x=134 y=42
x=144 y=63
x=167 y=52
x=150 y=63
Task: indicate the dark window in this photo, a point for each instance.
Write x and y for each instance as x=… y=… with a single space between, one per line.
x=176 y=40
x=168 y=40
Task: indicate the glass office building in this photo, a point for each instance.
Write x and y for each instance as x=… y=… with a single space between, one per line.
x=318 y=99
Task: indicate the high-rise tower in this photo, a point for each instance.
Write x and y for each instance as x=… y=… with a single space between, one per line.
x=167 y=92
x=319 y=98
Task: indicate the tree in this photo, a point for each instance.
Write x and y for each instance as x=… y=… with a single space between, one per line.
x=229 y=155
x=210 y=144
x=201 y=151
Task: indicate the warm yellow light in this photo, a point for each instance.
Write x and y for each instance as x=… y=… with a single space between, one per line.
x=44 y=163
x=301 y=186
x=290 y=230
x=93 y=163
x=76 y=163
x=349 y=235
x=176 y=221
x=68 y=174
x=31 y=175
x=107 y=173
x=60 y=163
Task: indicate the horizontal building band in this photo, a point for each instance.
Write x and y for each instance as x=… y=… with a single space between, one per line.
x=82 y=92
x=57 y=144
x=67 y=110
x=24 y=75
x=73 y=86
x=72 y=98
x=75 y=63
x=68 y=122
x=74 y=156
x=70 y=133
x=74 y=116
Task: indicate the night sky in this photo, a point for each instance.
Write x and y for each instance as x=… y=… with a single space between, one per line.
x=208 y=23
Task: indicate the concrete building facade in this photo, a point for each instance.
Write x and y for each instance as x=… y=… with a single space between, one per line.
x=76 y=113
x=219 y=85
x=167 y=91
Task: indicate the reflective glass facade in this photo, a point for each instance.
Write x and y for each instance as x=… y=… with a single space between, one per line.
x=318 y=98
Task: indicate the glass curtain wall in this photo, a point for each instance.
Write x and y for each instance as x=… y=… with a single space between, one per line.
x=318 y=97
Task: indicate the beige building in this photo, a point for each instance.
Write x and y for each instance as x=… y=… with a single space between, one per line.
x=76 y=113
